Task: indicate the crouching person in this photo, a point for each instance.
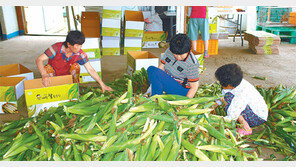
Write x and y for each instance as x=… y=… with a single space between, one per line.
x=64 y=58
x=243 y=102
x=178 y=72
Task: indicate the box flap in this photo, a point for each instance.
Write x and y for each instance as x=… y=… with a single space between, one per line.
x=10 y=81
x=90 y=24
x=134 y=16
x=11 y=69
x=24 y=69
x=90 y=15
x=141 y=54
x=54 y=81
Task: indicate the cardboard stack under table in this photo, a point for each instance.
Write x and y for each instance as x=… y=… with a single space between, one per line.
x=261 y=42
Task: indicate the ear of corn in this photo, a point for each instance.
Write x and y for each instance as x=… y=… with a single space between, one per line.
x=196 y=152
x=84 y=137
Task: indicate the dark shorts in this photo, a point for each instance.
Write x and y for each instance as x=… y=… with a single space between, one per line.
x=252 y=118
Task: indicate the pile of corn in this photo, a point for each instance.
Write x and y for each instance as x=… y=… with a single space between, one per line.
x=125 y=125
x=279 y=131
x=126 y=128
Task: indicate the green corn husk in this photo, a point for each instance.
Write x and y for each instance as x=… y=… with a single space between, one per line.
x=84 y=137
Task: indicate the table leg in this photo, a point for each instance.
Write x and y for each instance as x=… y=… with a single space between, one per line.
x=240 y=29
x=237 y=25
x=172 y=33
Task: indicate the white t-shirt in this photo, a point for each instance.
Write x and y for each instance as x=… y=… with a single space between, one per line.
x=246 y=94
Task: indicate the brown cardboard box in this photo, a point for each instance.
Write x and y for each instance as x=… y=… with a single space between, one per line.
x=134 y=24
x=140 y=59
x=16 y=70
x=90 y=24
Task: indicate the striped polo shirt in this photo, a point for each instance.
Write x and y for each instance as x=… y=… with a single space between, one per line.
x=179 y=70
x=53 y=49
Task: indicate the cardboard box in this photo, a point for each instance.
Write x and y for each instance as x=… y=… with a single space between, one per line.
x=112 y=12
x=90 y=24
x=91 y=47
x=39 y=98
x=134 y=24
x=84 y=75
x=111 y=27
x=138 y=59
x=151 y=39
x=110 y=46
x=11 y=98
x=132 y=44
x=16 y=70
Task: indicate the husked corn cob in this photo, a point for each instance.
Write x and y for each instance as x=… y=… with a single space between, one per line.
x=9 y=108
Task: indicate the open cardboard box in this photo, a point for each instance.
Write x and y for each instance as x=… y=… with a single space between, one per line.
x=90 y=24
x=39 y=98
x=11 y=96
x=16 y=70
x=134 y=24
x=139 y=59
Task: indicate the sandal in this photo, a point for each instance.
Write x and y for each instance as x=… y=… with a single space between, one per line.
x=243 y=132
x=206 y=56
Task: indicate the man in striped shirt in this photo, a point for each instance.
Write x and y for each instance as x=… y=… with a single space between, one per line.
x=64 y=59
x=178 y=72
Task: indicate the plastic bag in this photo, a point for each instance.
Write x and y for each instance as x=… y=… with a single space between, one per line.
x=154 y=23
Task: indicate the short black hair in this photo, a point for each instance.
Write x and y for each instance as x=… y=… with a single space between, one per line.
x=180 y=44
x=74 y=37
x=229 y=74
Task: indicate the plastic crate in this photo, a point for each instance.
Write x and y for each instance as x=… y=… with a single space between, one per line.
x=212 y=49
x=292 y=18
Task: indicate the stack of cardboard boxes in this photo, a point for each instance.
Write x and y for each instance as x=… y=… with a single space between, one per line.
x=133 y=31
x=90 y=27
x=261 y=42
x=111 y=24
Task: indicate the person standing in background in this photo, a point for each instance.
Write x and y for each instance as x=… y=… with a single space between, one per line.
x=199 y=21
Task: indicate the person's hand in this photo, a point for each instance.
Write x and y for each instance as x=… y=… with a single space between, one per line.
x=106 y=88
x=46 y=80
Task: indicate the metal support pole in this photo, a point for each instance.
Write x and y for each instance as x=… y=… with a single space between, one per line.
x=68 y=20
x=72 y=8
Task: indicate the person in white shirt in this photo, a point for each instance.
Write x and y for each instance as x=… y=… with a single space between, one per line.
x=243 y=102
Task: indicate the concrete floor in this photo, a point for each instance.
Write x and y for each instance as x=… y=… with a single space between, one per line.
x=279 y=69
